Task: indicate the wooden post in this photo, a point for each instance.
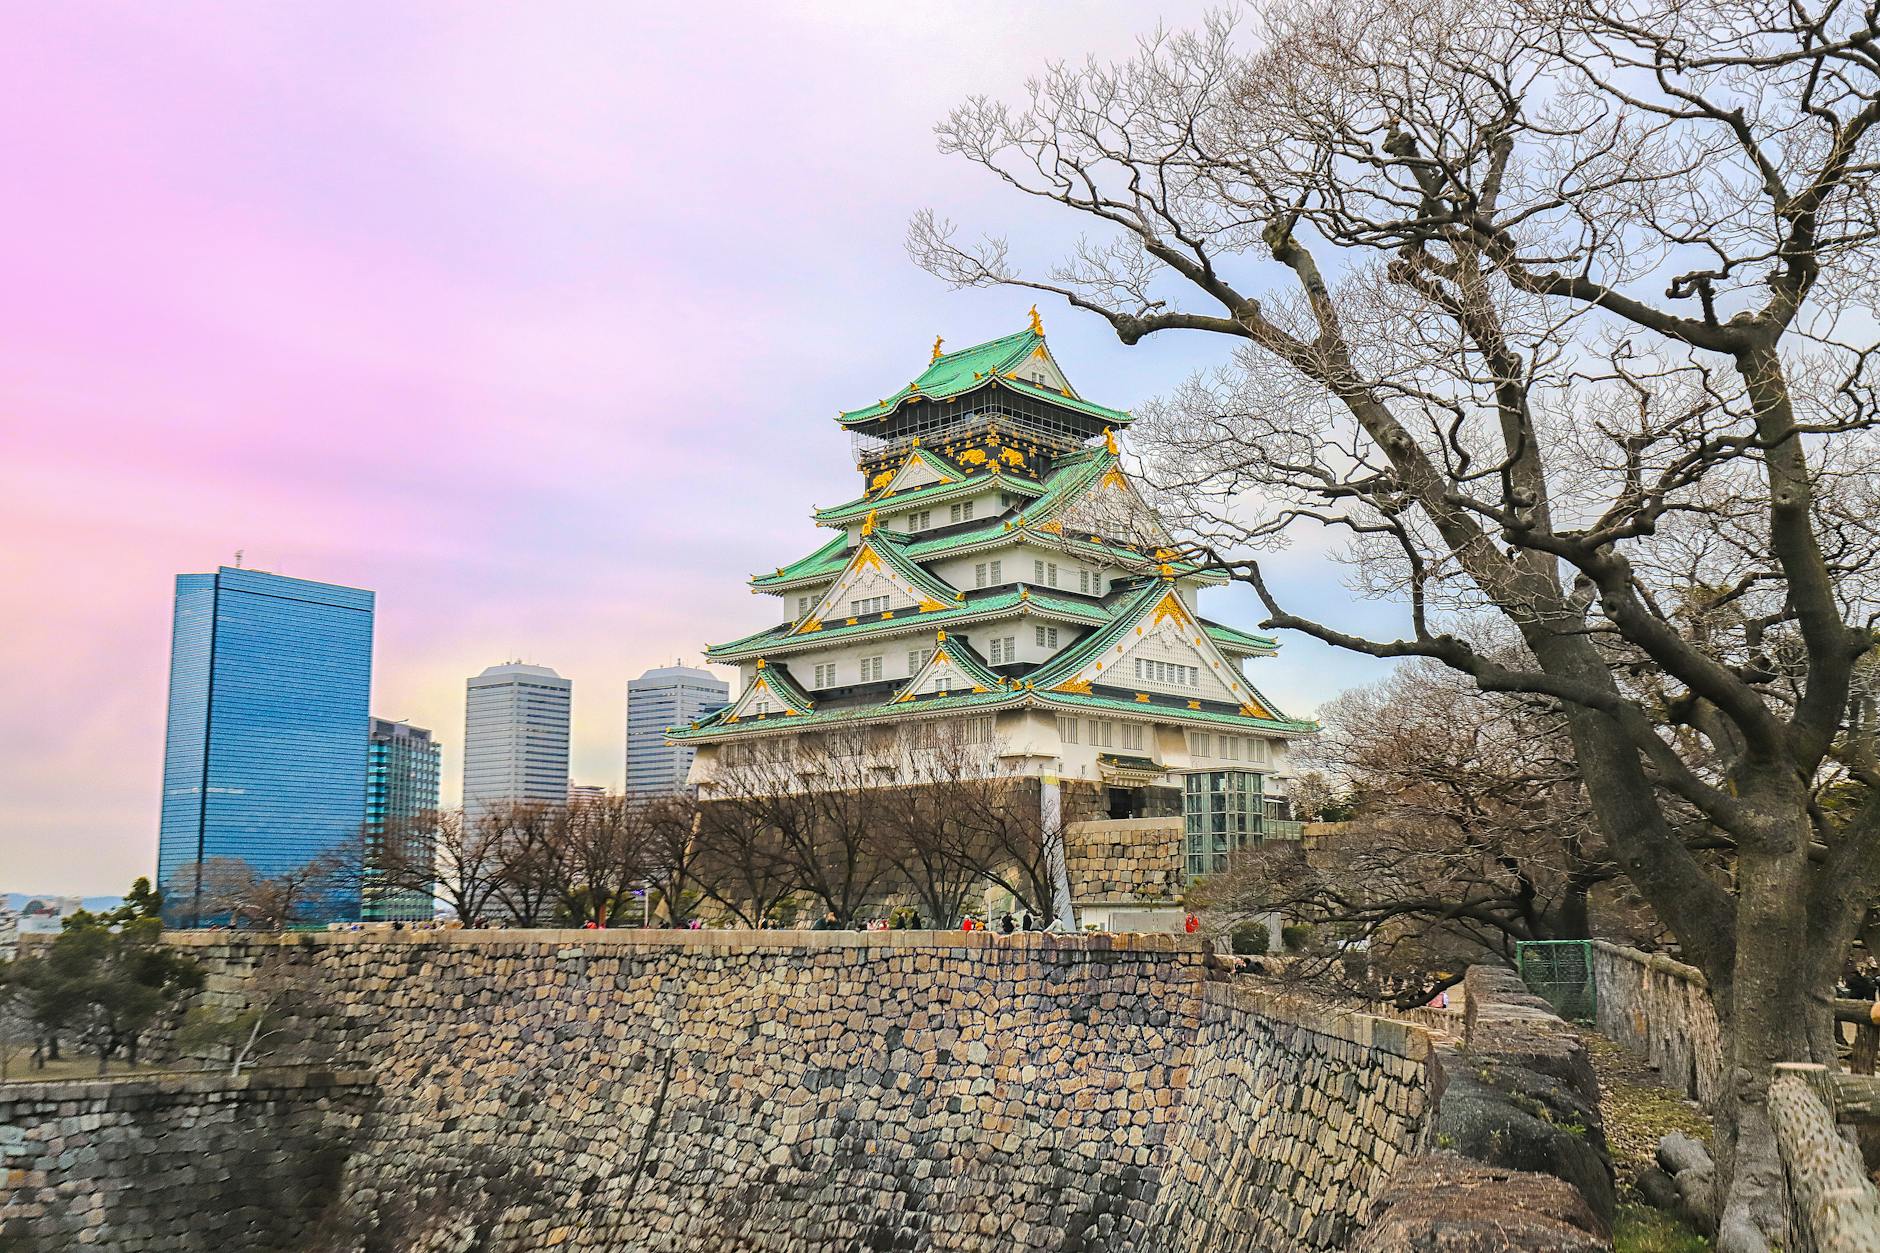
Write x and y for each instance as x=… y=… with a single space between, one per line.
x=1866 y=1046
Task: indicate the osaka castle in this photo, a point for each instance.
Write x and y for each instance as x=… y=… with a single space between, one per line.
x=998 y=573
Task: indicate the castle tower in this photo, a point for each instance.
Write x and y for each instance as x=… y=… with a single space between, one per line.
x=1000 y=570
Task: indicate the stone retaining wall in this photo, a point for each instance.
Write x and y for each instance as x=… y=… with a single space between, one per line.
x=174 y=1162
x=1124 y=861
x=1296 y=1116
x=1519 y=1156
x=1660 y=1007
x=726 y=1092
x=757 y=1091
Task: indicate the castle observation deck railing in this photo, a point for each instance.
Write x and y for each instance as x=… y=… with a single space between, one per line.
x=1016 y=417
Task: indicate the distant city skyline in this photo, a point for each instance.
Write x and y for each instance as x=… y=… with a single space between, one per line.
x=445 y=303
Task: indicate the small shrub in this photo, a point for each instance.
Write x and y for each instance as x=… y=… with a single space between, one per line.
x=1295 y=936
x=1250 y=939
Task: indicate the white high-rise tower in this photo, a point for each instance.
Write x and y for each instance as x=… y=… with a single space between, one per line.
x=670 y=696
x=515 y=741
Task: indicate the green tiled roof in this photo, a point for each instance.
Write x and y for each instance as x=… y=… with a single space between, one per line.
x=961 y=653
x=715 y=724
x=914 y=497
x=785 y=686
x=1219 y=717
x=835 y=551
x=1072 y=659
x=1068 y=479
x=983 y=365
x=1128 y=614
x=785 y=636
x=892 y=551
x=1237 y=641
x=995 y=698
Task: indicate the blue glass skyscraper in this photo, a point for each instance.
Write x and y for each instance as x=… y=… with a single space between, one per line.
x=264 y=758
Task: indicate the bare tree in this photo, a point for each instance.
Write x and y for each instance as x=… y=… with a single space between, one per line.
x=520 y=838
x=283 y=1002
x=747 y=825
x=1470 y=832
x=594 y=851
x=1558 y=313
x=672 y=853
x=810 y=803
x=991 y=821
x=231 y=890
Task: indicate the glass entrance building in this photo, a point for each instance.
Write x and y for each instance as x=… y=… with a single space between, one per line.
x=264 y=759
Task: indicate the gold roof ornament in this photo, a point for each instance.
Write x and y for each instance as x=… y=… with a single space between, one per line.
x=868 y=523
x=940 y=636
x=1109 y=440
x=760 y=663
x=1037 y=323
x=937 y=341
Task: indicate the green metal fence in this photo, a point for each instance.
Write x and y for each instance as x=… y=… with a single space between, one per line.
x=1560 y=972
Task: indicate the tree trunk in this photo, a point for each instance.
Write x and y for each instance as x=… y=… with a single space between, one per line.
x=1764 y=1010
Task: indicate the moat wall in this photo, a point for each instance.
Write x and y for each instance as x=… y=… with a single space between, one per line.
x=175 y=1161
x=796 y=1091
x=1661 y=1008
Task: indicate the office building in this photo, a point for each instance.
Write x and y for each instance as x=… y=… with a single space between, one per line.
x=401 y=790
x=264 y=755
x=515 y=742
x=670 y=696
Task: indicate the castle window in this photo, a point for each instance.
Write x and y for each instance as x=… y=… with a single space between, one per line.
x=867 y=605
x=987 y=573
x=1047 y=637
x=920 y=521
x=961 y=511
x=1167 y=673
x=916 y=658
x=871 y=668
x=1067 y=730
x=1132 y=735
x=826 y=674
x=1004 y=650
x=979 y=730
x=802 y=606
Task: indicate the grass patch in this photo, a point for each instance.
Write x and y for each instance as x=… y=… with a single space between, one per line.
x=1638 y=1228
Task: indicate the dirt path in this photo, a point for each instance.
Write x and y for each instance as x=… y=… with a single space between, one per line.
x=1638 y=1110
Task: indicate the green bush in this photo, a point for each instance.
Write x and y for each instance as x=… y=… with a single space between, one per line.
x=1295 y=936
x=1250 y=939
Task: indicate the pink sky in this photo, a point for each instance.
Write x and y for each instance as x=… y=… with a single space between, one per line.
x=530 y=318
